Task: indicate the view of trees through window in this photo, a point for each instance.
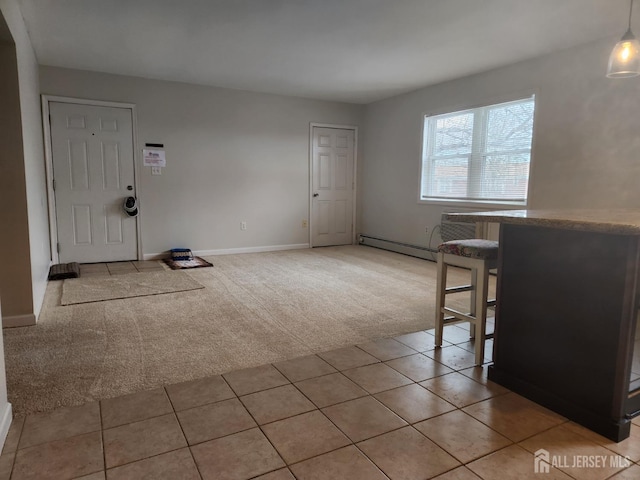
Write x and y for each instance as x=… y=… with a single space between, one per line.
x=482 y=154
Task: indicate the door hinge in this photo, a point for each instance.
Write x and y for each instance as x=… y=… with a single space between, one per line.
x=58 y=247
x=53 y=184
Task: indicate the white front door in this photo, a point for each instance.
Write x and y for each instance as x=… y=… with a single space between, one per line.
x=93 y=171
x=332 y=182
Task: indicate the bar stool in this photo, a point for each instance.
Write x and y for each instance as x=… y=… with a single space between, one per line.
x=479 y=256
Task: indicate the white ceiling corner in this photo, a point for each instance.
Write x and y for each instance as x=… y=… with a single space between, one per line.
x=355 y=51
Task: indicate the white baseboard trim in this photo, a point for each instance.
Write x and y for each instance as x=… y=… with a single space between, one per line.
x=232 y=251
x=18 y=320
x=5 y=422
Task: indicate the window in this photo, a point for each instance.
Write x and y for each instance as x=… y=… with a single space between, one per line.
x=479 y=155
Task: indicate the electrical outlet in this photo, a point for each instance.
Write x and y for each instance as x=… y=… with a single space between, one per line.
x=243 y=225
x=156 y=170
x=305 y=224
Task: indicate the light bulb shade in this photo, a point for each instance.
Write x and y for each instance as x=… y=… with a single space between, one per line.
x=625 y=58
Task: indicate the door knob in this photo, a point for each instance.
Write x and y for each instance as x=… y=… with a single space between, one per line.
x=316 y=194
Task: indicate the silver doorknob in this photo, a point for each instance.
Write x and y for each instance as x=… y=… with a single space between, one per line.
x=316 y=194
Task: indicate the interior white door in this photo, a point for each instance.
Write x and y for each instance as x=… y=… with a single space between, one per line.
x=332 y=181
x=93 y=171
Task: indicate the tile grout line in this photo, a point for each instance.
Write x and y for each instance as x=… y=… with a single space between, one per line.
x=257 y=425
x=565 y=420
x=593 y=441
x=511 y=442
x=302 y=380
x=353 y=443
x=394 y=388
x=102 y=442
x=337 y=403
x=262 y=431
x=371 y=460
x=139 y=421
x=319 y=409
x=184 y=435
x=15 y=454
x=290 y=383
x=412 y=425
x=142 y=459
x=367 y=394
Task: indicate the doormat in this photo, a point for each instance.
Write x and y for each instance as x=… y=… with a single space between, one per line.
x=100 y=289
x=64 y=270
x=193 y=262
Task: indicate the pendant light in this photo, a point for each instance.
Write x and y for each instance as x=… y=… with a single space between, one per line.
x=624 y=61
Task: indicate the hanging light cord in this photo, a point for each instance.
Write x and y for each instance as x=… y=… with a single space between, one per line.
x=630 y=12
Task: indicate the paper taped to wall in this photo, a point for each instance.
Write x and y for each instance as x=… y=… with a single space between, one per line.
x=154 y=158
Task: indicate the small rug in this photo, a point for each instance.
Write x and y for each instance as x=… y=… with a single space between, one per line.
x=193 y=262
x=100 y=289
x=64 y=270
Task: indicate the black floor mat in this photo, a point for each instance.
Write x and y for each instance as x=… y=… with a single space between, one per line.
x=64 y=270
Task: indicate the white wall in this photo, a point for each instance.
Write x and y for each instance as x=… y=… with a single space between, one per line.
x=232 y=156
x=24 y=288
x=586 y=142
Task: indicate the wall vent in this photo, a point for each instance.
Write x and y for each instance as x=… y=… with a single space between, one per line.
x=456 y=230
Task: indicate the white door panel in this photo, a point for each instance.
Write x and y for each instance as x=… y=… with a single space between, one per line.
x=332 y=180
x=342 y=219
x=93 y=170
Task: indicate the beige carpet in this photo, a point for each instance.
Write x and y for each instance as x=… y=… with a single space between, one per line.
x=254 y=309
x=100 y=289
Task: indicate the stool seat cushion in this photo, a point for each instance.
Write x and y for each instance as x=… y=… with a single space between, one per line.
x=472 y=248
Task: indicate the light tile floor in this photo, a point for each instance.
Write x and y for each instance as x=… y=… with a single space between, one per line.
x=393 y=408
x=119 y=268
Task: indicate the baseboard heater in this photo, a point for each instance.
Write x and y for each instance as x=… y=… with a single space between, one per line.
x=399 y=247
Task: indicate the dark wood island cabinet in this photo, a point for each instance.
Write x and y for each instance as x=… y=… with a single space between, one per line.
x=567 y=303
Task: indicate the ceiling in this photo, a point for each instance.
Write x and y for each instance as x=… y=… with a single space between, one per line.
x=355 y=51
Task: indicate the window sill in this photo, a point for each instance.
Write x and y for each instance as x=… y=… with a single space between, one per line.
x=474 y=204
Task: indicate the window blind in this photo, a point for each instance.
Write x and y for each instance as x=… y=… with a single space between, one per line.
x=481 y=154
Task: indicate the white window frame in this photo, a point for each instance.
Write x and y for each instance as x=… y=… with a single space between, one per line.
x=478 y=145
